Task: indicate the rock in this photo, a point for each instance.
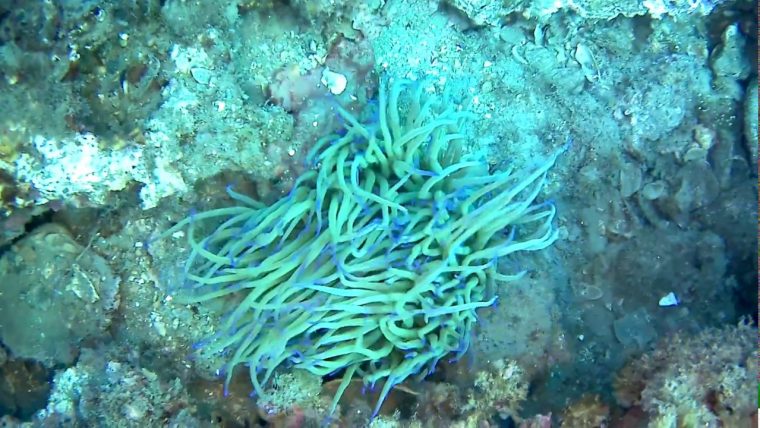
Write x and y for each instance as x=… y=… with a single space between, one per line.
x=750 y=121
x=56 y=294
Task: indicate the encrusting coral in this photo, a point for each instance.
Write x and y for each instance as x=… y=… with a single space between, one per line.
x=703 y=380
x=376 y=261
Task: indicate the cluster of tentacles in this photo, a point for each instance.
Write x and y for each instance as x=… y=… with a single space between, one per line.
x=376 y=261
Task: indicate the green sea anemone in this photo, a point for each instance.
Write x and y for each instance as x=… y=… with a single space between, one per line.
x=374 y=264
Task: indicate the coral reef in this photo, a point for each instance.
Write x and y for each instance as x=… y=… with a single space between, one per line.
x=501 y=389
x=121 y=116
x=288 y=390
x=588 y=411
x=703 y=380
x=96 y=392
